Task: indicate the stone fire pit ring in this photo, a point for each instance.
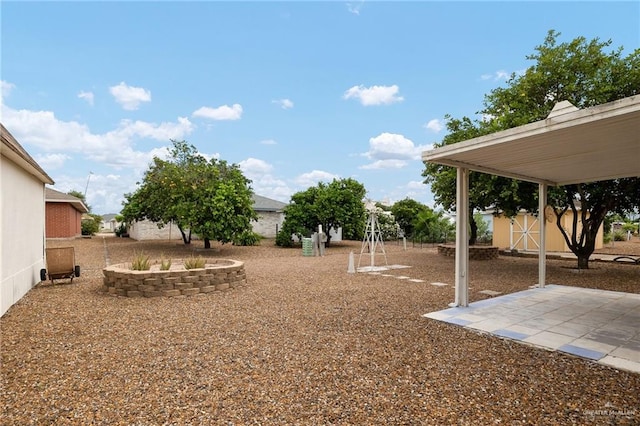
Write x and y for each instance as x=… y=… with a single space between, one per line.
x=217 y=275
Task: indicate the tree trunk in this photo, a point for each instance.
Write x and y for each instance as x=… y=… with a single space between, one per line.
x=583 y=261
x=473 y=236
x=207 y=243
x=186 y=239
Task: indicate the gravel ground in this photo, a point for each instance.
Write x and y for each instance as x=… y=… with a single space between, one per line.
x=303 y=343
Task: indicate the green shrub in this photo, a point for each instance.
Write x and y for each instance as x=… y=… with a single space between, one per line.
x=121 y=230
x=140 y=262
x=619 y=236
x=247 y=238
x=607 y=238
x=91 y=225
x=283 y=239
x=194 y=262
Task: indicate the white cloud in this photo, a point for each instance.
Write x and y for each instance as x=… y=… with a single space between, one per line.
x=268 y=142
x=254 y=167
x=114 y=148
x=312 y=178
x=498 y=75
x=284 y=103
x=355 y=7
x=5 y=89
x=374 y=95
x=263 y=182
x=130 y=97
x=87 y=96
x=224 y=112
x=384 y=164
x=51 y=161
x=416 y=184
x=434 y=125
x=389 y=146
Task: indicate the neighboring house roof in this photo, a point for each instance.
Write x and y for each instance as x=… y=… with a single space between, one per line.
x=11 y=149
x=109 y=217
x=53 y=196
x=264 y=204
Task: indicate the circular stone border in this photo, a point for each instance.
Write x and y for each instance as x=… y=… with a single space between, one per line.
x=475 y=252
x=217 y=275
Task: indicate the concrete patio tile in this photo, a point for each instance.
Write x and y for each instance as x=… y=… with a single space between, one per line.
x=593 y=324
x=571 y=329
x=440 y=315
x=626 y=353
x=540 y=323
x=523 y=330
x=621 y=363
x=471 y=317
x=416 y=280
x=490 y=324
x=583 y=352
x=594 y=345
x=511 y=334
x=439 y=284
x=457 y=321
x=549 y=340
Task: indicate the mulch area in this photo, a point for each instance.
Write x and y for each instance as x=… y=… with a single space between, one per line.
x=303 y=343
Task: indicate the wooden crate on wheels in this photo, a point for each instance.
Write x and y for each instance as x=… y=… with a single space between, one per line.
x=61 y=263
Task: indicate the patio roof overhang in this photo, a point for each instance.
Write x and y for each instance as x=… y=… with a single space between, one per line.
x=569 y=146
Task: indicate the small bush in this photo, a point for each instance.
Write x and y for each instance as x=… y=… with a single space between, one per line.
x=619 y=236
x=247 y=238
x=165 y=264
x=283 y=239
x=194 y=262
x=121 y=230
x=607 y=238
x=140 y=262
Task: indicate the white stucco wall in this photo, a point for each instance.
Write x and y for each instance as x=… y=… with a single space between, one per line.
x=22 y=219
x=147 y=230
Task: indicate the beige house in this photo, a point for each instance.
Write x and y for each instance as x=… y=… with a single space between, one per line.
x=22 y=220
x=270 y=217
x=523 y=232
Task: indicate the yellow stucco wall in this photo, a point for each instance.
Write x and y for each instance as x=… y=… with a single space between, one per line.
x=529 y=240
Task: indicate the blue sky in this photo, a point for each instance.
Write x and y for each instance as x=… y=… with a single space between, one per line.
x=293 y=92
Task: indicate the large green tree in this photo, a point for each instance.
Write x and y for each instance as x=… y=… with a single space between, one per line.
x=334 y=205
x=585 y=73
x=208 y=197
x=406 y=213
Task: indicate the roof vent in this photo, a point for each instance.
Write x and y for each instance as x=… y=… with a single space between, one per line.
x=561 y=108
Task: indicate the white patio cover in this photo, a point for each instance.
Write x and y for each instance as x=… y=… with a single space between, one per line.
x=569 y=146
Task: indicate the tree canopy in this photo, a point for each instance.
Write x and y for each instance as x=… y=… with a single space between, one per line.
x=208 y=197
x=334 y=205
x=406 y=213
x=585 y=73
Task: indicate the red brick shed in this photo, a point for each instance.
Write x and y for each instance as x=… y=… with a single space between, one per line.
x=63 y=213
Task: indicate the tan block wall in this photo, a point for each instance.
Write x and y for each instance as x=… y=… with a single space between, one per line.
x=217 y=275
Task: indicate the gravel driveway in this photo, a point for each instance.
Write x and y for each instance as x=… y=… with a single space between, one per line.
x=303 y=343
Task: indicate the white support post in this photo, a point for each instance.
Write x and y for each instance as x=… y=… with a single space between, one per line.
x=462 y=238
x=542 y=221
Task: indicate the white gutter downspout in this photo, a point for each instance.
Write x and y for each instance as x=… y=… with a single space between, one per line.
x=462 y=238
